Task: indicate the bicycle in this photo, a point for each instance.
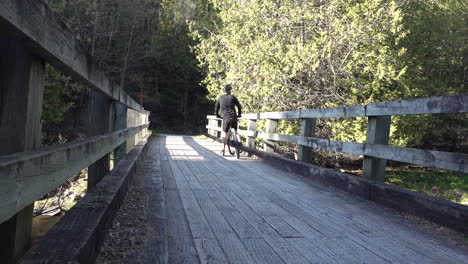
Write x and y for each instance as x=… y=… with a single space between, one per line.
x=232 y=142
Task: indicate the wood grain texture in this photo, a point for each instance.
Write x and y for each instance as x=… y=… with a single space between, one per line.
x=429 y=105
x=293 y=219
x=431 y=158
x=77 y=237
x=26 y=177
x=38 y=28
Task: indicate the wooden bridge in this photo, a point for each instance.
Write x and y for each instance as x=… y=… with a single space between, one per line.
x=201 y=207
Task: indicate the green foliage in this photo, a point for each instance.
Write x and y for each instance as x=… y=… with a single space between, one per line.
x=285 y=55
x=57 y=87
x=448 y=185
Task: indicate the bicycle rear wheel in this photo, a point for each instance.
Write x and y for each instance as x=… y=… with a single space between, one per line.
x=230 y=143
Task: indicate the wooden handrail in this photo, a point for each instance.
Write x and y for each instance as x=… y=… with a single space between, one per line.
x=27 y=176
x=432 y=105
x=33 y=24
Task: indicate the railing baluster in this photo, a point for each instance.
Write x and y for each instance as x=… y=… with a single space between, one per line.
x=219 y=124
x=305 y=153
x=22 y=75
x=252 y=126
x=120 y=122
x=271 y=127
x=99 y=113
x=378 y=131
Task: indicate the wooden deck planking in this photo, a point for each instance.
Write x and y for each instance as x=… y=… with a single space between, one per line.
x=225 y=234
x=382 y=225
x=274 y=239
x=181 y=246
x=209 y=251
x=364 y=252
x=206 y=208
x=261 y=251
x=259 y=223
x=395 y=227
x=155 y=249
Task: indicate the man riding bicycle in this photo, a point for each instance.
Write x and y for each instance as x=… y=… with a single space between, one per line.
x=226 y=103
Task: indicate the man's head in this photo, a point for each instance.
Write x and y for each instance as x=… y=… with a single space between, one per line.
x=227 y=88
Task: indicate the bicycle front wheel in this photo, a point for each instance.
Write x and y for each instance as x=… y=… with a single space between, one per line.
x=235 y=142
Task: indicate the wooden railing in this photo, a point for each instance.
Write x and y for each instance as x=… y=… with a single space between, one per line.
x=30 y=35
x=375 y=150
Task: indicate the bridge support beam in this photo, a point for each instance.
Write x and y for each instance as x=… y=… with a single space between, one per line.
x=21 y=97
x=378 y=132
x=252 y=126
x=271 y=127
x=99 y=122
x=305 y=153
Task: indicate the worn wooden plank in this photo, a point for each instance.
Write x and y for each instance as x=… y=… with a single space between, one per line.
x=250 y=134
x=120 y=122
x=271 y=126
x=361 y=215
x=21 y=98
x=77 y=237
x=283 y=228
x=198 y=224
x=181 y=247
x=209 y=251
x=251 y=130
x=307 y=193
x=250 y=116
x=215 y=128
x=98 y=123
x=27 y=176
x=261 y=251
x=431 y=158
x=378 y=132
x=304 y=153
x=232 y=246
x=34 y=25
x=313 y=250
x=429 y=105
x=242 y=228
x=155 y=248
x=271 y=236
x=286 y=251
x=345 y=111
x=281 y=115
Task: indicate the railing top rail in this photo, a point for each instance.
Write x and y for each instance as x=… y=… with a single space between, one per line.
x=33 y=24
x=429 y=105
x=27 y=176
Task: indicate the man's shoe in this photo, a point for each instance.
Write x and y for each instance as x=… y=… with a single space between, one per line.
x=221 y=153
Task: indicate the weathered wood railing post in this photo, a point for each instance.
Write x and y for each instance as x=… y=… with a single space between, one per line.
x=271 y=126
x=219 y=124
x=99 y=122
x=304 y=153
x=210 y=131
x=131 y=122
x=378 y=131
x=22 y=88
x=252 y=126
x=120 y=122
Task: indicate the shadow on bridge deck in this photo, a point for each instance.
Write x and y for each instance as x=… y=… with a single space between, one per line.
x=202 y=207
